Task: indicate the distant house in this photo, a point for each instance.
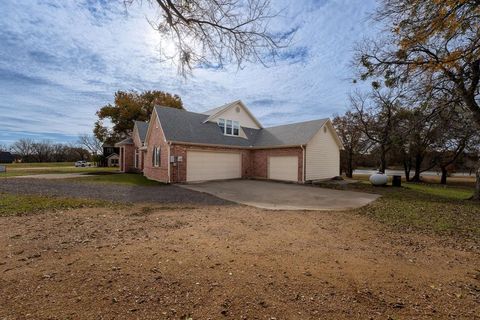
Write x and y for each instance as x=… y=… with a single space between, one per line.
x=134 y=148
x=6 y=157
x=229 y=143
x=111 y=155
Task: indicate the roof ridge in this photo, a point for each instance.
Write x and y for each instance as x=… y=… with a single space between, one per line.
x=179 y=110
x=296 y=123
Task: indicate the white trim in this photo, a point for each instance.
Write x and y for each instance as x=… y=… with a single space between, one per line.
x=229 y=106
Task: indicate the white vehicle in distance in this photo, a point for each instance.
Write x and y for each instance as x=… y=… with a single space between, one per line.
x=82 y=163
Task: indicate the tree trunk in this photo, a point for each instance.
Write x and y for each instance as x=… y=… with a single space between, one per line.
x=418 y=168
x=443 y=180
x=383 y=160
x=476 y=195
x=407 y=169
x=349 y=172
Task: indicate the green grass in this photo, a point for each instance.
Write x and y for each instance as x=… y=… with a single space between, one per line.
x=39 y=164
x=121 y=178
x=426 y=207
x=26 y=171
x=12 y=204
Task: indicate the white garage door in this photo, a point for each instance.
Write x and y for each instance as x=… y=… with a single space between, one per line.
x=203 y=166
x=283 y=168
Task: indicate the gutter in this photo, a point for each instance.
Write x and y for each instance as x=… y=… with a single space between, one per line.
x=304 y=163
x=234 y=147
x=169 y=164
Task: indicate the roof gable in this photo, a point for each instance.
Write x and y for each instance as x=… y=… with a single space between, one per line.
x=141 y=127
x=217 y=112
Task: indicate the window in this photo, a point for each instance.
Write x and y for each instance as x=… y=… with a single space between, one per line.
x=156 y=157
x=236 y=128
x=229 y=127
x=221 y=124
x=136 y=158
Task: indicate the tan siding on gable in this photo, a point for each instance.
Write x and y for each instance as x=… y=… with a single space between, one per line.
x=242 y=116
x=322 y=155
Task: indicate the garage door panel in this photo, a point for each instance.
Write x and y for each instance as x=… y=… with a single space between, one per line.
x=202 y=166
x=283 y=168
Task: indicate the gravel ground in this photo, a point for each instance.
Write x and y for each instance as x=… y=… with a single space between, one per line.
x=227 y=262
x=111 y=192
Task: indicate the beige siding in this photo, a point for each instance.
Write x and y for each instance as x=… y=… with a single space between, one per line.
x=283 y=168
x=203 y=165
x=238 y=113
x=322 y=155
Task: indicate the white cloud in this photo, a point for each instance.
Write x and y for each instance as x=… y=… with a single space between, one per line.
x=61 y=60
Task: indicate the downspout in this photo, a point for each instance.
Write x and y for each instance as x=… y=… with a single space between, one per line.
x=169 y=164
x=304 y=163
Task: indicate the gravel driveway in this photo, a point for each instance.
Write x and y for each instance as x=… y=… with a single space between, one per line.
x=111 y=192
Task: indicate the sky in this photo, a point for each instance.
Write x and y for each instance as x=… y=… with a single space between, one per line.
x=61 y=60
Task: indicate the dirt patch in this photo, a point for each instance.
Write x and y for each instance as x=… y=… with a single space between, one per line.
x=227 y=262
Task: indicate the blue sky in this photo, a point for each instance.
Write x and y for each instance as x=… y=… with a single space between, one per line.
x=61 y=60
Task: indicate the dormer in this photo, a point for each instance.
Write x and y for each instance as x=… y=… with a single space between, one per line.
x=232 y=117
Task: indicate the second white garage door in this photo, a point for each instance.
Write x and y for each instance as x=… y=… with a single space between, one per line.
x=283 y=168
x=202 y=166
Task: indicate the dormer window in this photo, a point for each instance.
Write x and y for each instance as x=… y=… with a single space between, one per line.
x=229 y=127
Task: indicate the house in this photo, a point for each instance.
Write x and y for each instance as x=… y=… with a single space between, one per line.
x=230 y=143
x=133 y=149
x=6 y=157
x=110 y=155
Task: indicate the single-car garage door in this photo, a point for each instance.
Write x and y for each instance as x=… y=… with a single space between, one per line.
x=202 y=165
x=283 y=168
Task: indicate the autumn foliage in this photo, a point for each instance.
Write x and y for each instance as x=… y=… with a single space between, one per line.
x=128 y=107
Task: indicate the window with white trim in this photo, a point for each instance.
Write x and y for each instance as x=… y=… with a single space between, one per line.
x=136 y=159
x=156 y=157
x=229 y=127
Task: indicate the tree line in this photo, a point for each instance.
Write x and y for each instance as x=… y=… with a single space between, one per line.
x=425 y=70
x=394 y=126
x=29 y=150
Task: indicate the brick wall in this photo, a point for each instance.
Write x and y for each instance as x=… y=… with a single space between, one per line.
x=259 y=160
x=179 y=170
x=156 y=139
x=128 y=158
x=254 y=162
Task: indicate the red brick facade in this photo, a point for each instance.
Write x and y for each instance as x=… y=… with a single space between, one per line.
x=127 y=158
x=156 y=138
x=259 y=161
x=179 y=169
x=254 y=161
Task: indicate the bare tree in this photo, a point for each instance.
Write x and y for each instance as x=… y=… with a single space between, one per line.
x=434 y=43
x=91 y=143
x=377 y=114
x=24 y=148
x=216 y=32
x=354 y=140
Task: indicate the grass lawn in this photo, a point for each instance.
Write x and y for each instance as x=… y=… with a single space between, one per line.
x=46 y=168
x=427 y=207
x=39 y=165
x=13 y=204
x=122 y=178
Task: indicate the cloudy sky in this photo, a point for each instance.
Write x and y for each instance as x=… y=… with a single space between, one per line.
x=60 y=60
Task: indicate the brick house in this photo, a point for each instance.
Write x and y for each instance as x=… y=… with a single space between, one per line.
x=229 y=143
x=132 y=149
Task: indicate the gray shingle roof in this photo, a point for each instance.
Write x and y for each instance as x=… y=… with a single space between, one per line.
x=128 y=140
x=215 y=110
x=142 y=128
x=184 y=126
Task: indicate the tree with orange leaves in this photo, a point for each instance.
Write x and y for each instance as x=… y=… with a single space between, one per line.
x=433 y=45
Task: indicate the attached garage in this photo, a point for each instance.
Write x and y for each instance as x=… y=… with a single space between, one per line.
x=206 y=165
x=323 y=154
x=283 y=168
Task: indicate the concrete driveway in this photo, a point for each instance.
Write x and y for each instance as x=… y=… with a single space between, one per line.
x=283 y=196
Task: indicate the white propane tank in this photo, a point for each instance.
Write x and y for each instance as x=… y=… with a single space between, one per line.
x=378 y=179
